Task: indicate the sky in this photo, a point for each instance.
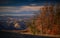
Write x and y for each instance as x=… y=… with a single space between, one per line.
x=23 y=2
x=22 y=7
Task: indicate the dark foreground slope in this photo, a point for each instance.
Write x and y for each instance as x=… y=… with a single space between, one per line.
x=15 y=35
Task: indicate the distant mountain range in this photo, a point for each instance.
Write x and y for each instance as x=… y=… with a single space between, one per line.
x=14 y=17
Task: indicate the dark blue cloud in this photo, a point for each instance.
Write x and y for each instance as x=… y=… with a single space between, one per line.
x=22 y=2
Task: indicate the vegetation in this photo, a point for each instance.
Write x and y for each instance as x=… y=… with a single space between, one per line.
x=47 y=21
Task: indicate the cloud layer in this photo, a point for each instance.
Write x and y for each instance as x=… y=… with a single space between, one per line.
x=17 y=15
x=20 y=9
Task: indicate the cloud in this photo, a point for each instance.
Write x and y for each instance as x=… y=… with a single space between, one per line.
x=17 y=14
x=19 y=9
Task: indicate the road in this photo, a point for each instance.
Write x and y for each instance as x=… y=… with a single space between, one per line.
x=16 y=35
